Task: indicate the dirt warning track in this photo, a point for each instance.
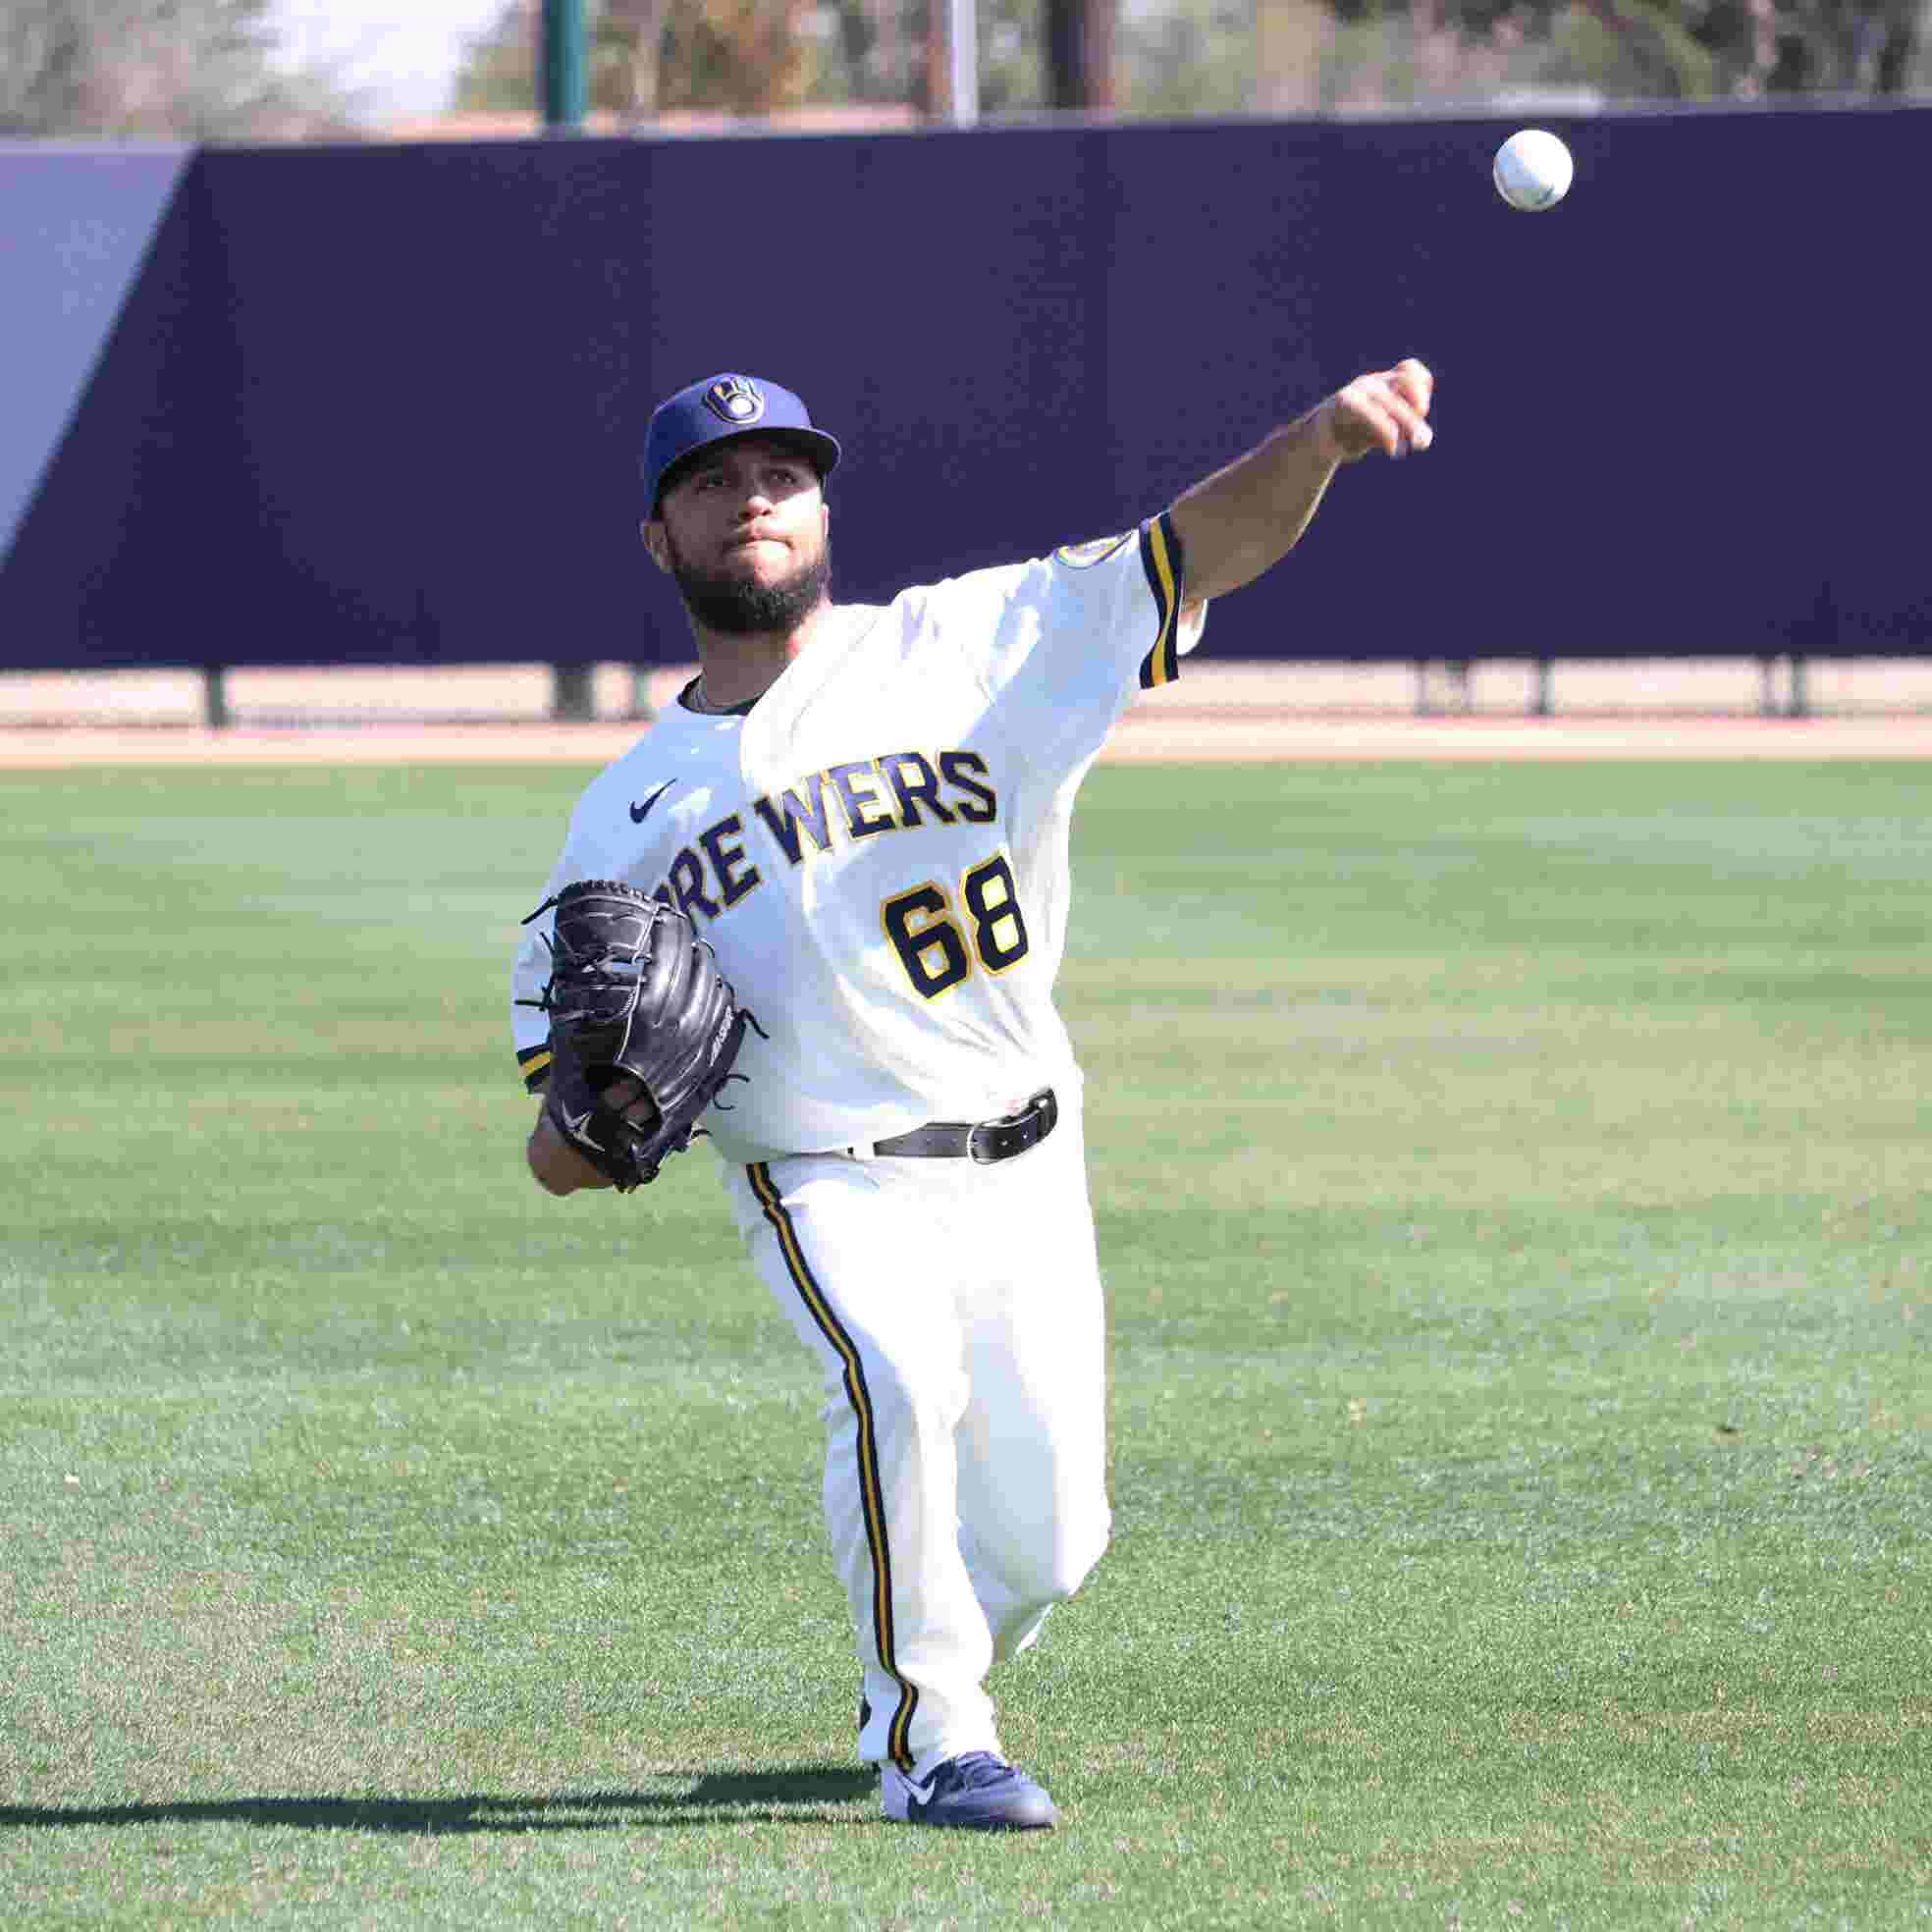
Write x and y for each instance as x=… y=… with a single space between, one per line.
x=1232 y=713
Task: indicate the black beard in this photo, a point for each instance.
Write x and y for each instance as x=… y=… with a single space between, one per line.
x=742 y=606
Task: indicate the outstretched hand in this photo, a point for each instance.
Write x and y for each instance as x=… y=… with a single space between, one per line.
x=1386 y=410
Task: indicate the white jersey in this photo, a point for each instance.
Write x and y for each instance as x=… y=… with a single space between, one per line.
x=877 y=850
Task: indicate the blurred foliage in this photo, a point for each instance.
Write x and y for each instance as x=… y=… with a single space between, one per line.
x=158 y=70
x=752 y=56
x=743 y=57
x=1012 y=56
x=209 y=70
x=1182 y=57
x=1689 y=49
x=1177 y=57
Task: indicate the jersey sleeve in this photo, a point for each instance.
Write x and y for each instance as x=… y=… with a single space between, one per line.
x=1158 y=546
x=1082 y=632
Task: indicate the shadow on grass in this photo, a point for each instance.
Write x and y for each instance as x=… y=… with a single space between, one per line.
x=786 y=1794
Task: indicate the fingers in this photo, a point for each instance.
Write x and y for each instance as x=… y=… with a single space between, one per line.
x=628 y=1098
x=1415 y=381
x=1386 y=410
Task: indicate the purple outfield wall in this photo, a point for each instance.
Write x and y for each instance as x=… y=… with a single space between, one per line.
x=384 y=404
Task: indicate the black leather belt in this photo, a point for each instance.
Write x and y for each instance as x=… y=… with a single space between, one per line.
x=984 y=1141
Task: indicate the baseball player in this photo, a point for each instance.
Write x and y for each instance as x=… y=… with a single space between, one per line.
x=864 y=810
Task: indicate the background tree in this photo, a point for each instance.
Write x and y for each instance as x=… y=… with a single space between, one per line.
x=1180 y=56
x=1012 y=56
x=159 y=70
x=1696 y=49
x=498 y=72
x=1080 y=53
x=743 y=57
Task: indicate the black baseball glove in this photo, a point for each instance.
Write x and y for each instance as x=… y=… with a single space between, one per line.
x=643 y=1028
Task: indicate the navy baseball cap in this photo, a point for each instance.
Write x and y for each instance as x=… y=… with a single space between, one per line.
x=720 y=407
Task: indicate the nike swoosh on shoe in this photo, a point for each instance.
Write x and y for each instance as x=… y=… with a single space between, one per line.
x=977 y=1791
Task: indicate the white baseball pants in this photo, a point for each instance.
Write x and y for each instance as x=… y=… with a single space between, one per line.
x=956 y=1310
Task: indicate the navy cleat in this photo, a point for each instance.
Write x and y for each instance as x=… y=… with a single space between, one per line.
x=977 y=1791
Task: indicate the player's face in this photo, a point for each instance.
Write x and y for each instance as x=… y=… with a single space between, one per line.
x=745 y=532
x=751 y=506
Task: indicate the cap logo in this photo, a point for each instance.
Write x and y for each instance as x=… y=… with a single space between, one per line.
x=734 y=399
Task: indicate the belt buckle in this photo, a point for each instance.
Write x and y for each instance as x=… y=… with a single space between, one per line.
x=1014 y=1133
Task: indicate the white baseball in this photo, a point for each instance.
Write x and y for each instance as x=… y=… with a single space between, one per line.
x=1533 y=170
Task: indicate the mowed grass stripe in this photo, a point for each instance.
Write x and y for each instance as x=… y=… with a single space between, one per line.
x=1511 y=1182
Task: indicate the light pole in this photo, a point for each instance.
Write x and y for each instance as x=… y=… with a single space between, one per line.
x=963 y=51
x=564 y=75
x=566 y=64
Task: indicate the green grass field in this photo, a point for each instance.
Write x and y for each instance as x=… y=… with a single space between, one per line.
x=1512 y=1185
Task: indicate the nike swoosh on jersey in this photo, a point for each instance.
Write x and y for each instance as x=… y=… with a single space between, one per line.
x=638 y=812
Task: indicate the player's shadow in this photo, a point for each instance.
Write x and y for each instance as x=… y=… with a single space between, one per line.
x=783 y=1794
